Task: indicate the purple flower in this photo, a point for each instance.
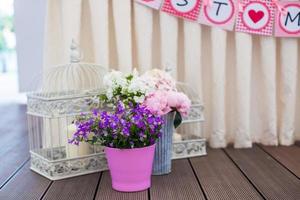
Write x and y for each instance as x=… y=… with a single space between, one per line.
x=142 y=134
x=152 y=141
x=151 y=120
x=126 y=127
x=136 y=118
x=95 y=112
x=120 y=108
x=126 y=131
x=141 y=124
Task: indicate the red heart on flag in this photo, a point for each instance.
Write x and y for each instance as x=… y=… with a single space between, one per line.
x=255 y=16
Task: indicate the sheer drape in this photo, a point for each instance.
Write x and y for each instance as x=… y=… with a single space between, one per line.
x=248 y=84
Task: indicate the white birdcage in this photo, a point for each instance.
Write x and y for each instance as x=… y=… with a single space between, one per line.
x=188 y=138
x=50 y=118
x=67 y=91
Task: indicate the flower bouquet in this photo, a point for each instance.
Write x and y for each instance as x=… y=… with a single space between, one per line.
x=129 y=133
x=142 y=110
x=156 y=90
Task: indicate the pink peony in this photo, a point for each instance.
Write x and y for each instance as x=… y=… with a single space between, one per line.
x=157 y=103
x=159 y=80
x=163 y=102
x=172 y=99
x=184 y=104
x=179 y=101
x=163 y=96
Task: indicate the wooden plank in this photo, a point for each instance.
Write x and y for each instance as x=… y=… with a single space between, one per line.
x=77 y=188
x=14 y=158
x=105 y=191
x=14 y=149
x=10 y=111
x=287 y=156
x=12 y=161
x=269 y=177
x=13 y=125
x=26 y=185
x=181 y=183
x=221 y=179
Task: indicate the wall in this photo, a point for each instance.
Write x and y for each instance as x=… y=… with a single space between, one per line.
x=29 y=24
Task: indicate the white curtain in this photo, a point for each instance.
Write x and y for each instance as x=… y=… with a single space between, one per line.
x=248 y=84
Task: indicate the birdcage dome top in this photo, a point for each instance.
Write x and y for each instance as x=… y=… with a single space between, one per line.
x=73 y=76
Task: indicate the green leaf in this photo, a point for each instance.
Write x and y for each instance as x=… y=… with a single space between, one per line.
x=177 y=119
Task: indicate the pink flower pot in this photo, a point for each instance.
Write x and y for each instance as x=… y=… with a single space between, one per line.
x=130 y=169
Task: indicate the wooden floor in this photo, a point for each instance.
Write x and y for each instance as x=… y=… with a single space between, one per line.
x=256 y=173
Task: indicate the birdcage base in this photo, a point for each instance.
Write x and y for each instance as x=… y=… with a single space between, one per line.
x=189 y=148
x=53 y=164
x=61 y=167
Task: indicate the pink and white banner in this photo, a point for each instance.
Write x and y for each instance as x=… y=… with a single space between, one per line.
x=263 y=17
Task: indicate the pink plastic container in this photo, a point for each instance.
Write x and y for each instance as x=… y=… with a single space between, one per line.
x=130 y=169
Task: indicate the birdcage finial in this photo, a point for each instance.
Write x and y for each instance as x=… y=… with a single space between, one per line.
x=168 y=68
x=75 y=52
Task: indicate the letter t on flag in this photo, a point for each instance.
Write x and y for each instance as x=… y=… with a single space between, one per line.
x=288 y=20
x=220 y=13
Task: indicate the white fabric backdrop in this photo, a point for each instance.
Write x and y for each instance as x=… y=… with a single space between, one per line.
x=248 y=84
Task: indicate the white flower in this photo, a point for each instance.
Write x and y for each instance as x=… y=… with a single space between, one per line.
x=114 y=79
x=136 y=85
x=109 y=93
x=149 y=84
x=132 y=85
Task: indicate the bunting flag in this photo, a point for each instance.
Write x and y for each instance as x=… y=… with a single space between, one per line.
x=288 y=20
x=188 y=9
x=263 y=17
x=256 y=17
x=220 y=13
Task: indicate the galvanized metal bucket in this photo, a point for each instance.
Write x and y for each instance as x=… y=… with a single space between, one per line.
x=163 y=150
